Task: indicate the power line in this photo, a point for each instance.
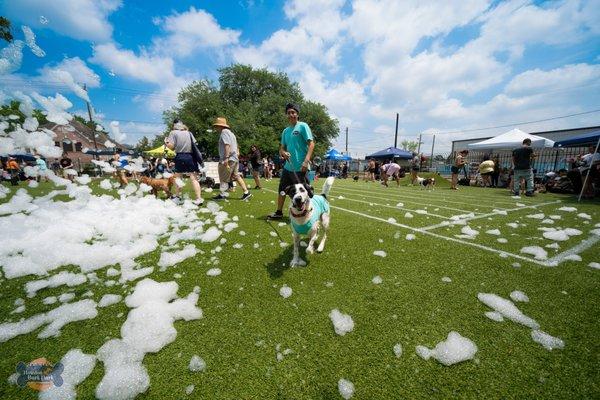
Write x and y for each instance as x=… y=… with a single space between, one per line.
x=518 y=123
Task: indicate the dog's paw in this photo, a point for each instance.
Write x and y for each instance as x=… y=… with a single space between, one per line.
x=310 y=250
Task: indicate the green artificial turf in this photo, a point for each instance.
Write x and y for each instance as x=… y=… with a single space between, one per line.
x=246 y=320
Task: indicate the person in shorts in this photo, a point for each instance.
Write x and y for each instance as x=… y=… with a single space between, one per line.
x=459 y=164
x=522 y=158
x=296 y=148
x=180 y=141
x=228 y=160
x=390 y=171
x=415 y=167
x=256 y=162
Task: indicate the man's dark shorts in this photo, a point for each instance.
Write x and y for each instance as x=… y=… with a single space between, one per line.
x=289 y=178
x=454 y=169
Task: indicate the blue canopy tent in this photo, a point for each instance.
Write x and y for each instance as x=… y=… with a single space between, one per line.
x=335 y=155
x=392 y=152
x=23 y=157
x=587 y=139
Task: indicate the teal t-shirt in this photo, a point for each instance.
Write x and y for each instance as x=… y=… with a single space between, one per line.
x=295 y=139
x=319 y=205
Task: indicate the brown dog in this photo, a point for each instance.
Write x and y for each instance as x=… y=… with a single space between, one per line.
x=159 y=184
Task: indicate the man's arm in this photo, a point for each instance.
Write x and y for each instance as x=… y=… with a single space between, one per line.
x=283 y=152
x=226 y=153
x=311 y=147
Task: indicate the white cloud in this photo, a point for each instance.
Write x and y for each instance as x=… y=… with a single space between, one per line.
x=192 y=30
x=126 y=63
x=79 y=19
x=563 y=78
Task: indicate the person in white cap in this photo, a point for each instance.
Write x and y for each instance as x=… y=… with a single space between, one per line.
x=228 y=160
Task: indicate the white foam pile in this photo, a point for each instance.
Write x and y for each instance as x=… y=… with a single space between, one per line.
x=573 y=257
x=77 y=367
x=400 y=205
x=513 y=225
x=109 y=300
x=377 y=280
x=454 y=349
x=398 y=350
x=342 y=323
x=507 y=309
x=567 y=209
x=467 y=230
x=462 y=216
x=87 y=233
x=148 y=328
x=408 y=215
x=517 y=295
x=346 y=388
x=410 y=236
x=536 y=251
x=560 y=235
x=62 y=278
x=197 y=364
x=446 y=279
x=285 y=291
x=495 y=232
x=494 y=316
x=168 y=259
x=54 y=319
x=594 y=265
x=379 y=253
x=213 y=272
x=536 y=216
x=549 y=342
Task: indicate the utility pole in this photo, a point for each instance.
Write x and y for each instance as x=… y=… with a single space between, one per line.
x=89 y=108
x=419 y=146
x=432 y=146
x=346 y=140
x=396 y=135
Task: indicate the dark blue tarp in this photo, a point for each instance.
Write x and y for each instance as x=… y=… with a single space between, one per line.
x=581 y=140
x=392 y=152
x=333 y=154
x=23 y=157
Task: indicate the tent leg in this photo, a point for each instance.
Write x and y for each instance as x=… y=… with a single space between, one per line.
x=588 y=174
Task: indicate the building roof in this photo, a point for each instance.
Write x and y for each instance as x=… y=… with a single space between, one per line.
x=85 y=133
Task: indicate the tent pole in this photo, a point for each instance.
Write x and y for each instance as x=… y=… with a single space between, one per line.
x=588 y=174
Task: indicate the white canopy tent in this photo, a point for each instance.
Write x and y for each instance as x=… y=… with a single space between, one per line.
x=510 y=140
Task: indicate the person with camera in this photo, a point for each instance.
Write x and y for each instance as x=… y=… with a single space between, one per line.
x=182 y=142
x=296 y=148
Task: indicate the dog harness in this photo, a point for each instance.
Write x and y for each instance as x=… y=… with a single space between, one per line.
x=319 y=206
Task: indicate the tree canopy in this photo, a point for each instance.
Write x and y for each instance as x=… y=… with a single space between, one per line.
x=13 y=108
x=253 y=101
x=5 y=33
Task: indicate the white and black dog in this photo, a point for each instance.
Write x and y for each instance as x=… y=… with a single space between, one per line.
x=426 y=183
x=308 y=213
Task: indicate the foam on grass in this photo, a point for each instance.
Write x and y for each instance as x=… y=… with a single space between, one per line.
x=77 y=367
x=456 y=348
x=507 y=309
x=197 y=364
x=342 y=323
x=285 y=291
x=346 y=388
x=548 y=341
x=379 y=253
x=536 y=251
x=109 y=300
x=517 y=295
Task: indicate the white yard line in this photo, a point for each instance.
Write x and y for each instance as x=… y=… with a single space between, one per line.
x=441 y=195
x=370 y=194
x=385 y=205
x=479 y=246
x=427 y=228
x=582 y=246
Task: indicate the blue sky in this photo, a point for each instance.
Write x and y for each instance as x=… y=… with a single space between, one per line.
x=443 y=66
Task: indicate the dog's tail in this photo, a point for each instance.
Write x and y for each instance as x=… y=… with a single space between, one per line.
x=327 y=186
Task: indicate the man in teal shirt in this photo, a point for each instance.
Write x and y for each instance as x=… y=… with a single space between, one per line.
x=296 y=149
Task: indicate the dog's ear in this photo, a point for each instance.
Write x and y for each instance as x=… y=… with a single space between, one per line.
x=287 y=191
x=309 y=190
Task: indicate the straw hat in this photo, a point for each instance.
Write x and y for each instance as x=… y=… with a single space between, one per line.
x=220 y=121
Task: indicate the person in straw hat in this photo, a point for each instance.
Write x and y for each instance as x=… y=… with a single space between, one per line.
x=228 y=160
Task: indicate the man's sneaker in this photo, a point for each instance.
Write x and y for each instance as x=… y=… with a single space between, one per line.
x=275 y=215
x=516 y=194
x=257 y=187
x=176 y=200
x=529 y=194
x=198 y=202
x=246 y=196
x=219 y=197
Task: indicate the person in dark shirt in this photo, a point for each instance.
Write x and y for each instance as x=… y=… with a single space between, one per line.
x=522 y=167
x=255 y=161
x=66 y=165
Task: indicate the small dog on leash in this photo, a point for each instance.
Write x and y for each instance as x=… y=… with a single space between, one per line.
x=426 y=183
x=158 y=185
x=308 y=213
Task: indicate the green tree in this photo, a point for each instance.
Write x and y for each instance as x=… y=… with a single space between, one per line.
x=409 y=145
x=143 y=144
x=253 y=101
x=12 y=108
x=5 y=33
